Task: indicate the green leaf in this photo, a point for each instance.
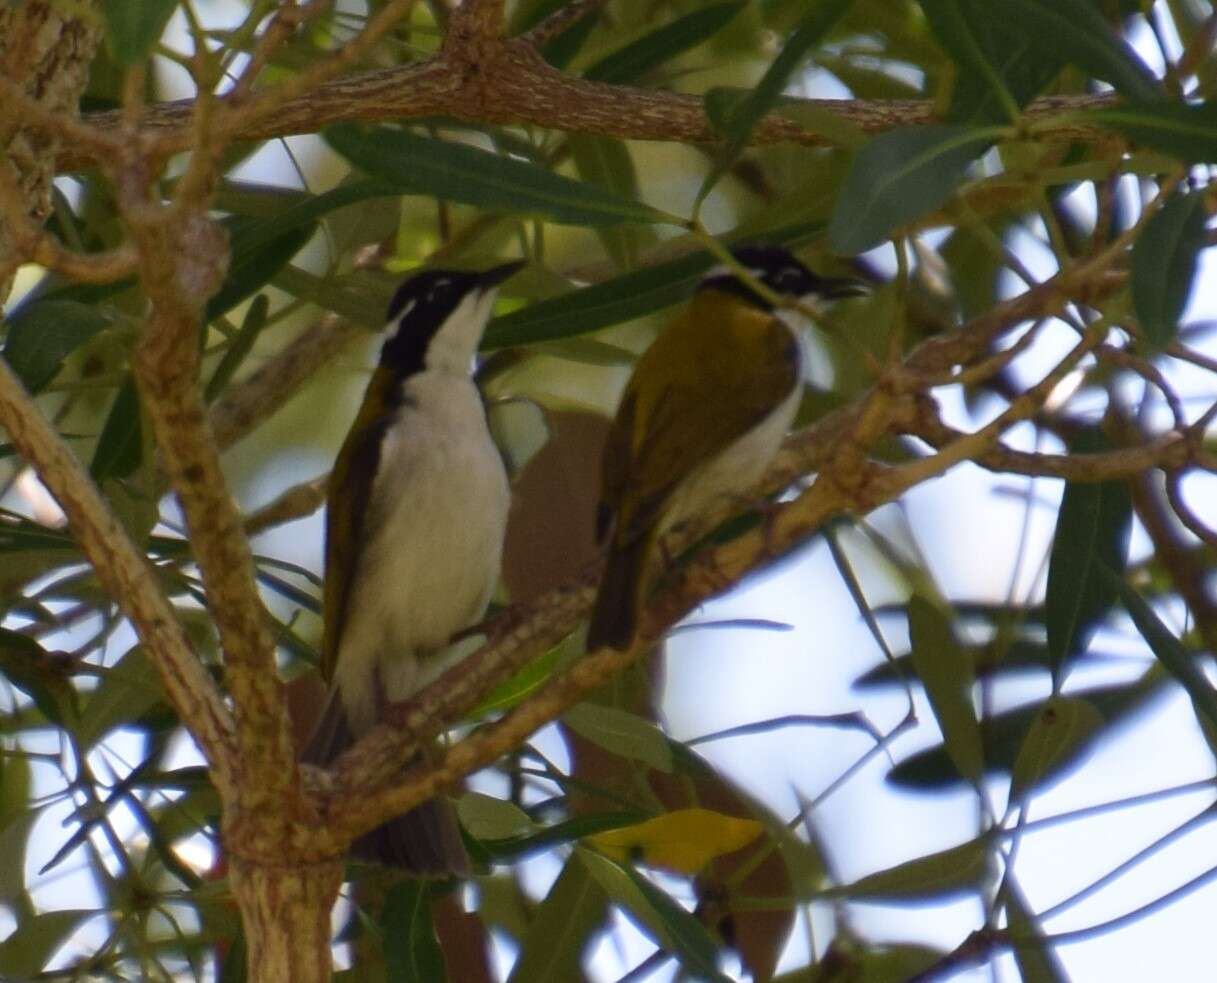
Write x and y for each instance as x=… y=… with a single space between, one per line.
x=1092 y=528
x=254 y=264
x=120 y=445
x=620 y=299
x=999 y=67
x=637 y=58
x=14 y=838
x=239 y=347
x=607 y=163
x=31 y=669
x=622 y=733
x=1005 y=733
x=1077 y=32
x=560 y=833
x=561 y=50
x=1058 y=736
x=1188 y=132
x=24 y=953
x=562 y=926
x=134 y=26
x=412 y=952
x=42 y=333
x=419 y=165
x=1164 y=261
x=128 y=689
x=360 y=296
x=486 y=817
x=669 y=925
x=255 y=228
x=898 y=177
x=946 y=672
x=950 y=873
x=1034 y=955
x=525 y=682
x=749 y=111
x=1168 y=650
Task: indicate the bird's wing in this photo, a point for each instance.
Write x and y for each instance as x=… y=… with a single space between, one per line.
x=347 y=499
x=690 y=420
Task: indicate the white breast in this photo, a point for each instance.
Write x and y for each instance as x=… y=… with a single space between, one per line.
x=439 y=510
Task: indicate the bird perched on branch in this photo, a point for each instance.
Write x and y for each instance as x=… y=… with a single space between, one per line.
x=416 y=512
x=701 y=417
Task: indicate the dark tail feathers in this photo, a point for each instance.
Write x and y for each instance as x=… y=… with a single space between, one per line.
x=426 y=841
x=615 y=617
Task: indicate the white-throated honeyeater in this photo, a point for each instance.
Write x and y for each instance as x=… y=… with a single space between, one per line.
x=416 y=511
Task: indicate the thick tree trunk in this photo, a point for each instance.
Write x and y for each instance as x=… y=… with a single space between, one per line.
x=285 y=911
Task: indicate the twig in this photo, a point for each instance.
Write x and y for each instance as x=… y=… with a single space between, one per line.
x=125 y=573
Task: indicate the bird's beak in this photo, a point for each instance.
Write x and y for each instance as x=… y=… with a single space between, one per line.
x=491 y=278
x=838 y=288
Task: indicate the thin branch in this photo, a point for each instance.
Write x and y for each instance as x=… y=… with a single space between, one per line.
x=530 y=91
x=561 y=19
x=249 y=402
x=125 y=573
x=1170 y=451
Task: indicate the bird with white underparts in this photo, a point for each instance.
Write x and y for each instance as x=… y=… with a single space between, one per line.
x=416 y=513
x=701 y=418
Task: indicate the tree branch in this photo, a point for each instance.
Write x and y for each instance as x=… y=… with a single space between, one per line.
x=125 y=573
x=529 y=91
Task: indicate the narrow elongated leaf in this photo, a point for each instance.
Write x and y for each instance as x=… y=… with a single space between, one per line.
x=560 y=833
x=1164 y=262
x=607 y=162
x=120 y=445
x=682 y=841
x=42 y=333
x=900 y=176
x=415 y=164
x=134 y=26
x=253 y=266
x=639 y=57
x=620 y=299
x=26 y=665
x=949 y=873
x=1092 y=527
x=673 y=928
x=561 y=928
x=1005 y=733
x=257 y=229
x=1078 y=33
x=24 y=953
x=946 y=672
x=1036 y=958
x=14 y=838
x=127 y=690
x=1188 y=132
x=412 y=952
x=240 y=347
x=1168 y=650
x=1056 y=739
x=621 y=733
x=747 y=112
x=999 y=66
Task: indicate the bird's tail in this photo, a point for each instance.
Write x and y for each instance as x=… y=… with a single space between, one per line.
x=425 y=842
x=615 y=617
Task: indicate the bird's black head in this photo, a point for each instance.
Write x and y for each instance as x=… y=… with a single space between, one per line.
x=782 y=273
x=424 y=303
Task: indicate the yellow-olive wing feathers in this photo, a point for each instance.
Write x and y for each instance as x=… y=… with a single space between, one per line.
x=723 y=366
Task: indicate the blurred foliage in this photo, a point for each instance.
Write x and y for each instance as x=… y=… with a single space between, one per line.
x=88 y=735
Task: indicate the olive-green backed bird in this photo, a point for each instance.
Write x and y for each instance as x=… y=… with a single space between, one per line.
x=416 y=512
x=701 y=417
